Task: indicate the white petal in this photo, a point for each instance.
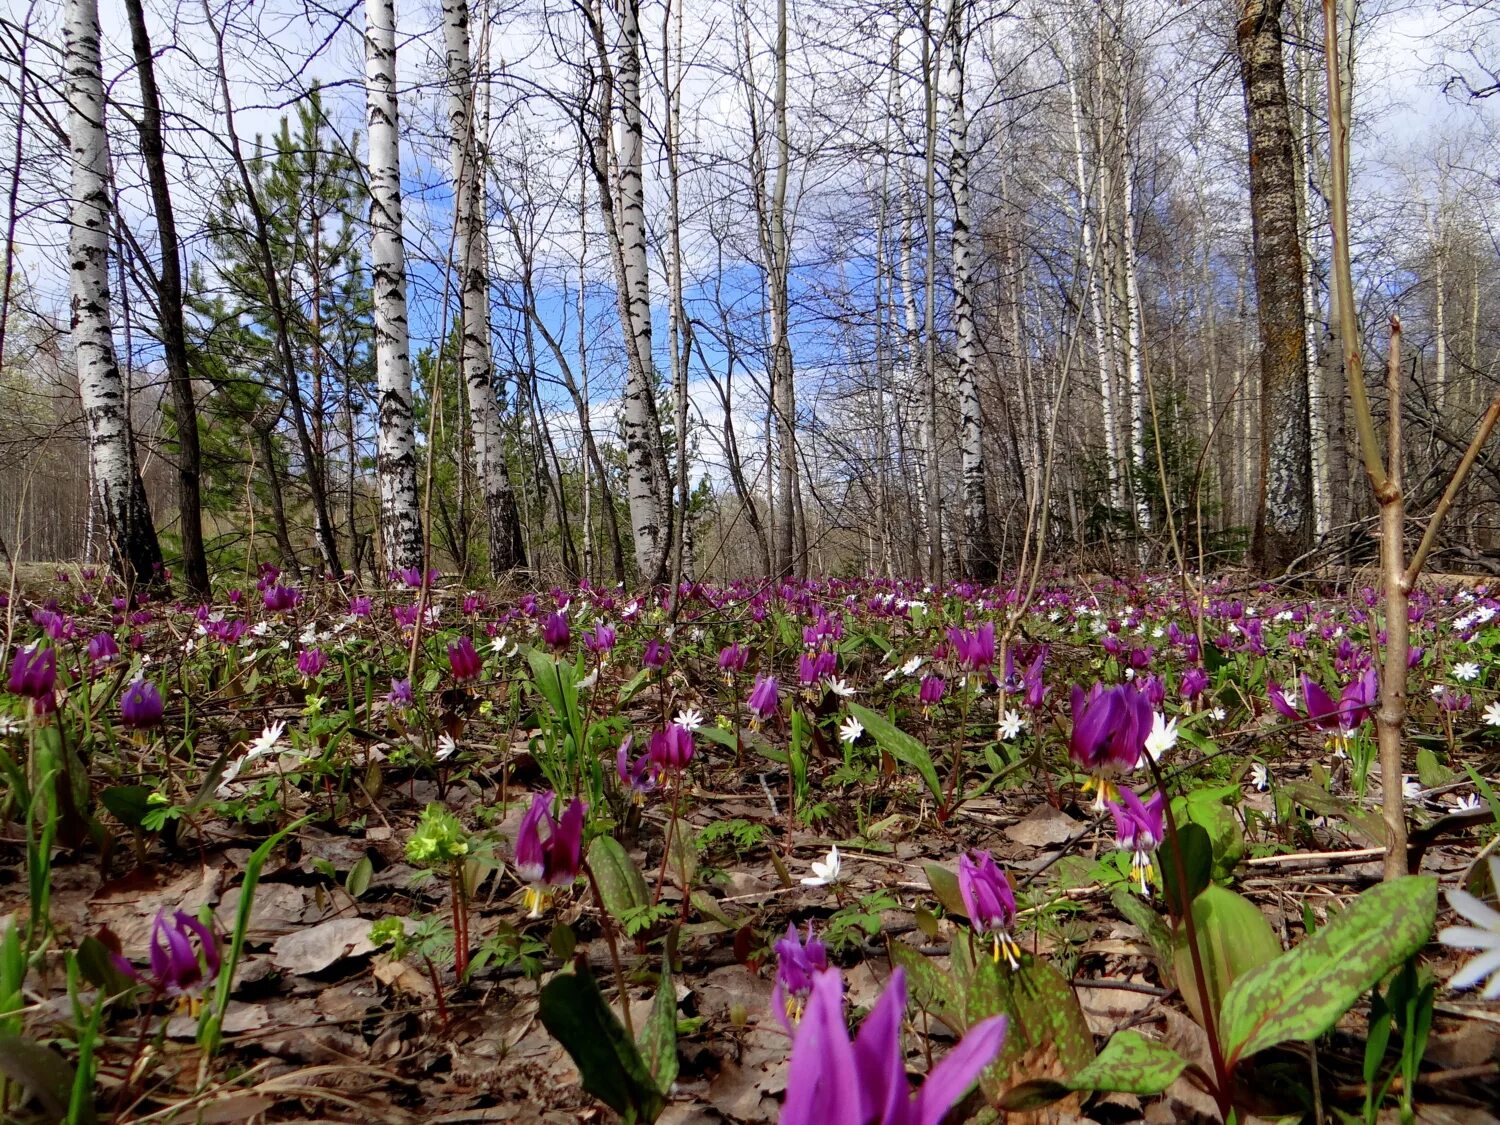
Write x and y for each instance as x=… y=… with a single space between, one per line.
x=1469 y=937
x=1476 y=970
x=1474 y=910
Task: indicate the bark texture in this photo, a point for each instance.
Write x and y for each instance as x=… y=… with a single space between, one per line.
x=507 y=549
x=396 y=459
x=1283 y=510
x=118 y=491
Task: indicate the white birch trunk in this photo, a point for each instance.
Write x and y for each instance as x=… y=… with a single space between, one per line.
x=396 y=460
x=1134 y=329
x=1093 y=267
x=507 y=550
x=645 y=459
x=978 y=561
x=115 y=477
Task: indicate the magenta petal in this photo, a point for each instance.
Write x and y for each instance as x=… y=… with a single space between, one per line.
x=951 y=1078
x=878 y=1055
x=1279 y=701
x=822 y=1085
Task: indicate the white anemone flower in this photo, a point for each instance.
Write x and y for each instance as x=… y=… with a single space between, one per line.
x=827 y=872
x=1011 y=724
x=689 y=719
x=1163 y=735
x=1484 y=935
x=850 y=730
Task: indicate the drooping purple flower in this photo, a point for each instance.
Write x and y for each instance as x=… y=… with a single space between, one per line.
x=473 y=603
x=141 y=705
x=548 y=852
x=763 y=698
x=359 y=606
x=732 y=658
x=103 y=648
x=672 y=748
x=1139 y=830
x=797 y=966
x=464 y=660
x=931 y=690
x=33 y=673
x=410 y=576
x=555 y=631
x=989 y=901
x=184 y=954
x=601 y=640
x=400 y=696
x=657 y=653
x=1110 y=727
x=637 y=778
x=311 y=662
x=279 y=599
x=974 y=648
x=831 y=1081
x=1194 y=682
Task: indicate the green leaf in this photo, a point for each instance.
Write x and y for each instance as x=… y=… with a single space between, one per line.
x=1042 y=1009
x=358 y=880
x=1197 y=864
x=1431 y=772
x=900 y=745
x=621 y=884
x=935 y=991
x=944 y=884
x=99 y=968
x=128 y=803
x=611 y=1067
x=1233 y=938
x=1301 y=995
x=1367 y=825
x=1206 y=808
x=658 y=1039
x=1129 y=1064
x=45 y=1074
x=633 y=685
x=1139 y=914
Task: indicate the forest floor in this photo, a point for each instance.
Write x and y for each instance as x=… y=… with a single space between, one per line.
x=323 y=1020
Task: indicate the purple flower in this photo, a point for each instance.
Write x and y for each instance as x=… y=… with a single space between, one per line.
x=639 y=777
x=176 y=966
x=831 y=1081
x=1110 y=726
x=656 y=654
x=763 y=698
x=279 y=599
x=601 y=640
x=1139 y=830
x=931 y=691
x=1341 y=717
x=974 y=648
x=33 y=673
x=1194 y=682
x=464 y=660
x=311 y=662
x=990 y=902
x=400 y=696
x=797 y=966
x=732 y=658
x=555 y=632
x=405 y=615
x=672 y=748
x=103 y=648
x=141 y=706
x=548 y=852
x=359 y=607
x=473 y=603
x=410 y=576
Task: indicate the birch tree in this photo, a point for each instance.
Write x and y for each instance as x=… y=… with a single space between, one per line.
x=978 y=561
x=118 y=490
x=507 y=549
x=396 y=459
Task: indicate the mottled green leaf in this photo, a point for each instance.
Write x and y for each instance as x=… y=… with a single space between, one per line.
x=41 y=1071
x=944 y=884
x=658 y=1039
x=1233 y=938
x=1301 y=995
x=609 y=1064
x=900 y=745
x=1367 y=825
x=1042 y=1009
x=621 y=884
x=934 y=990
x=1137 y=911
x=1131 y=1064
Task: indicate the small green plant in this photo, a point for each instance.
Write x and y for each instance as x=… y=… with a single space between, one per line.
x=1405 y=1007
x=439 y=842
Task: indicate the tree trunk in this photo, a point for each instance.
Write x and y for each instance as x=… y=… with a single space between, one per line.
x=396 y=456
x=1283 y=510
x=978 y=553
x=507 y=550
x=134 y=550
x=169 y=312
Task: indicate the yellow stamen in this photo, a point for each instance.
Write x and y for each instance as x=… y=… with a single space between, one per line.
x=536 y=900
